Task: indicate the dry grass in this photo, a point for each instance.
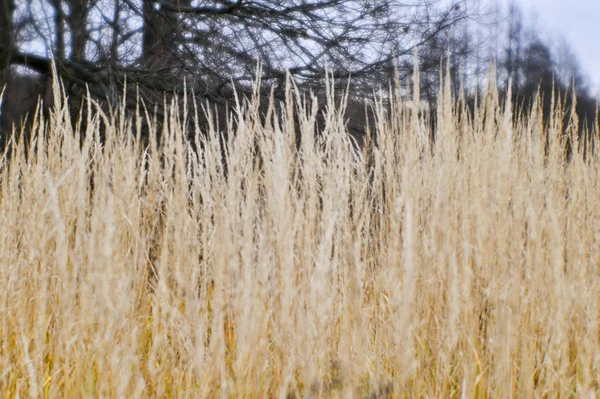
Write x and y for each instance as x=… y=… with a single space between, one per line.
x=468 y=267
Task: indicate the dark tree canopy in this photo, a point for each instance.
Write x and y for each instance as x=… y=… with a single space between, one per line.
x=213 y=45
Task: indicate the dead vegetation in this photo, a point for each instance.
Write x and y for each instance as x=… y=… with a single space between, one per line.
x=407 y=268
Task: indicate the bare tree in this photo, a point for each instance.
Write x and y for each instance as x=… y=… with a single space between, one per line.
x=214 y=43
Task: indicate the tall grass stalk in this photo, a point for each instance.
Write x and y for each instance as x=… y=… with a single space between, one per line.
x=465 y=266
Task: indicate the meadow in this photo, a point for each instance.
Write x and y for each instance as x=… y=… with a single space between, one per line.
x=278 y=262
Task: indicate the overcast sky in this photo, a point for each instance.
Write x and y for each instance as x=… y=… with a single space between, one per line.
x=579 y=21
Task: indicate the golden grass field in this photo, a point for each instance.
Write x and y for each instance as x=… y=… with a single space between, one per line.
x=466 y=267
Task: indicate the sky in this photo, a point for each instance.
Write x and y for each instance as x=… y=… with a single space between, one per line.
x=579 y=22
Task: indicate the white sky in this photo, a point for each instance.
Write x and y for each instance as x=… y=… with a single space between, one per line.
x=579 y=22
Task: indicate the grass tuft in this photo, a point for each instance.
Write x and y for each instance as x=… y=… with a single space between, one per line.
x=466 y=266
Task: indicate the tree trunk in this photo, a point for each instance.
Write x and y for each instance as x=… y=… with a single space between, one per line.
x=78 y=22
x=6 y=35
x=6 y=47
x=160 y=34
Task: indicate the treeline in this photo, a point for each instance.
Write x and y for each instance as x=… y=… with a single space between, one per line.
x=210 y=48
x=513 y=51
